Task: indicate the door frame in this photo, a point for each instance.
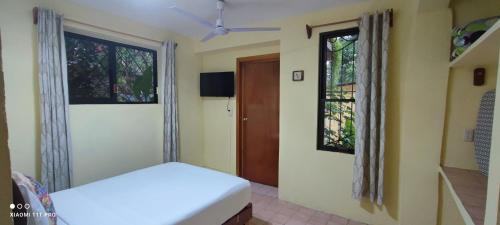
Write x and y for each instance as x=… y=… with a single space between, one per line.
x=239 y=84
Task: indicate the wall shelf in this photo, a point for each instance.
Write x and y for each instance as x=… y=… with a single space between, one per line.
x=482 y=52
x=468 y=190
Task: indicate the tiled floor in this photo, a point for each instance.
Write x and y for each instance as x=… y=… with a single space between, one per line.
x=268 y=209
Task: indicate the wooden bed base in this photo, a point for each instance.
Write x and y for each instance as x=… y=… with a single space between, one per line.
x=242 y=217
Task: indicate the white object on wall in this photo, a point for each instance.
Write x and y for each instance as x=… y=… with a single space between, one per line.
x=469 y=135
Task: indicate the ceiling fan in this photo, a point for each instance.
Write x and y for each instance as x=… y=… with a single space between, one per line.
x=218 y=28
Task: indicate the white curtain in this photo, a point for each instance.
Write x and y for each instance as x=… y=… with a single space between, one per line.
x=170 y=113
x=371 y=92
x=55 y=133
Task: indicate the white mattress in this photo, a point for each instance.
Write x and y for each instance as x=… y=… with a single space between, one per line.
x=171 y=193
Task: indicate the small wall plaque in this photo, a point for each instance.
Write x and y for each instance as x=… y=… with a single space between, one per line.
x=298 y=75
x=479 y=76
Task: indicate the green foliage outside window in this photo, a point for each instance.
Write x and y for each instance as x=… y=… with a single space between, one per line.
x=87 y=69
x=339 y=124
x=134 y=75
x=103 y=72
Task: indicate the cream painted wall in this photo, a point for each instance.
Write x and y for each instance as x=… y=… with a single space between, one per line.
x=461 y=113
x=322 y=180
x=448 y=212
x=219 y=125
x=456 y=152
x=423 y=115
x=106 y=145
x=319 y=179
x=461 y=92
x=465 y=11
x=107 y=139
x=19 y=65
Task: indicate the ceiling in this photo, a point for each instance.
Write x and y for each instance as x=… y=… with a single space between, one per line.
x=237 y=13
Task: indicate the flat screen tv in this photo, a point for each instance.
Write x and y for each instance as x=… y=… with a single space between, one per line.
x=219 y=84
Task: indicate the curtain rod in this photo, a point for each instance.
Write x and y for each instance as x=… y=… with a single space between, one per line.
x=35 y=21
x=309 y=28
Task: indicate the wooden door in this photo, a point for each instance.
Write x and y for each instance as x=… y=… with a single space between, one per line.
x=258 y=84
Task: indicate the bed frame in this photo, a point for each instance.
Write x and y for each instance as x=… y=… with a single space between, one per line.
x=242 y=217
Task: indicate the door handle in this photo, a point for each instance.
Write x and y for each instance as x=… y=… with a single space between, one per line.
x=245 y=118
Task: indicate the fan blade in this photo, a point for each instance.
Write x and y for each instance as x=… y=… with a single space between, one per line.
x=254 y=29
x=209 y=36
x=193 y=17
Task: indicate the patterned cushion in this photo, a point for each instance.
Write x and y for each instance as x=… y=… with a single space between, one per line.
x=36 y=208
x=44 y=197
x=482 y=134
x=31 y=188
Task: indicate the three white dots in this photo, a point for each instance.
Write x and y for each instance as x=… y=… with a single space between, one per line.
x=19 y=206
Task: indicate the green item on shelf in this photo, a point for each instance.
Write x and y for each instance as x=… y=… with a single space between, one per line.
x=464 y=36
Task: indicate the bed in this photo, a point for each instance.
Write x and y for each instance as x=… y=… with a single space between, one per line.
x=171 y=193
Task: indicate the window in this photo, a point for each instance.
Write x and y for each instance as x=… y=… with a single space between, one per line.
x=106 y=72
x=337 y=87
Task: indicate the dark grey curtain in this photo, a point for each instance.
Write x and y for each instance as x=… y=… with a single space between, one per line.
x=371 y=91
x=171 y=117
x=55 y=134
